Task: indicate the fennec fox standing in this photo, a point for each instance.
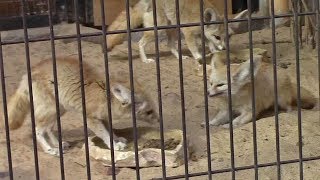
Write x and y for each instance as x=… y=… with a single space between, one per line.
x=241 y=90
x=166 y=15
x=70 y=100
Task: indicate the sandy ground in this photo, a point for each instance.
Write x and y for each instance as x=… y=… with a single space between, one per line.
x=21 y=140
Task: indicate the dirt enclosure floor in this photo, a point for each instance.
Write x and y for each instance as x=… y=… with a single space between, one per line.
x=21 y=140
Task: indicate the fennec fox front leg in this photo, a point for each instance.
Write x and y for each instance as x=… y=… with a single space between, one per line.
x=243 y=118
x=221 y=118
x=172 y=37
x=97 y=126
x=45 y=114
x=148 y=36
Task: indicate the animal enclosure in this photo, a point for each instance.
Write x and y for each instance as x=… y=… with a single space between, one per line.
x=277 y=144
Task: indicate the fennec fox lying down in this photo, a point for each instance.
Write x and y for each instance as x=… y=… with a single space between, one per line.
x=70 y=100
x=241 y=90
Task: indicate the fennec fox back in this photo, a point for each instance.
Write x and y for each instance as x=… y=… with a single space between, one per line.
x=70 y=100
x=241 y=90
x=142 y=14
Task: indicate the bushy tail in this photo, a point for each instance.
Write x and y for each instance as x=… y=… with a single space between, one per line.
x=18 y=106
x=120 y=23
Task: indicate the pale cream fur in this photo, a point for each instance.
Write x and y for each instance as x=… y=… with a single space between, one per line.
x=166 y=15
x=241 y=90
x=70 y=100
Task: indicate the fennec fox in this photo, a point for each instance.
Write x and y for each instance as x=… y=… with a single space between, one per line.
x=241 y=90
x=166 y=15
x=70 y=100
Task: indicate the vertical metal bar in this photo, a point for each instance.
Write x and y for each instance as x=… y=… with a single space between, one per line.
x=33 y=124
x=254 y=126
x=106 y=65
x=163 y=158
x=318 y=42
x=299 y=23
x=5 y=112
x=56 y=91
x=275 y=80
x=296 y=39
x=133 y=109
x=183 y=113
x=84 y=111
x=205 y=90
x=226 y=25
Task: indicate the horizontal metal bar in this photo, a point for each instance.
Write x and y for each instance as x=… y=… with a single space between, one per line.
x=149 y=29
x=34 y=21
x=241 y=168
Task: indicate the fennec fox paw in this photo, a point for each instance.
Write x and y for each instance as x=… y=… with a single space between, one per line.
x=65 y=145
x=203 y=124
x=213 y=122
x=53 y=151
x=120 y=143
x=185 y=57
x=119 y=146
x=121 y=139
x=148 y=60
x=227 y=126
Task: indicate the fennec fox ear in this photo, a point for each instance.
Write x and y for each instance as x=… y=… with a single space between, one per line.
x=244 y=74
x=216 y=62
x=141 y=105
x=239 y=27
x=122 y=94
x=210 y=15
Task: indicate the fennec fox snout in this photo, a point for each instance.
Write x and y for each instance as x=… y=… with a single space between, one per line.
x=70 y=99
x=241 y=90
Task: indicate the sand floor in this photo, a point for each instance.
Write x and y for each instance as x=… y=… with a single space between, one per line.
x=21 y=140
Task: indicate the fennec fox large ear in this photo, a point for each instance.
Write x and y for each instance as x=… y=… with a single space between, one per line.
x=210 y=15
x=122 y=94
x=243 y=74
x=141 y=106
x=239 y=27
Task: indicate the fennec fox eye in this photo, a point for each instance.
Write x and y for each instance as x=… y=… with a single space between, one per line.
x=220 y=84
x=217 y=37
x=149 y=112
x=124 y=104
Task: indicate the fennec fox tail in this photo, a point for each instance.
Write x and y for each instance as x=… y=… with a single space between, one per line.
x=18 y=106
x=241 y=90
x=120 y=23
x=70 y=99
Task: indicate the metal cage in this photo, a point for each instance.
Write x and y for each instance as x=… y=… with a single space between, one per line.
x=25 y=12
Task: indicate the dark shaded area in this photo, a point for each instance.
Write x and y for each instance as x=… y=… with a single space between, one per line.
x=240 y=5
x=4 y=174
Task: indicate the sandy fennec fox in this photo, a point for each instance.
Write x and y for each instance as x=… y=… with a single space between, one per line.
x=142 y=14
x=70 y=100
x=241 y=90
